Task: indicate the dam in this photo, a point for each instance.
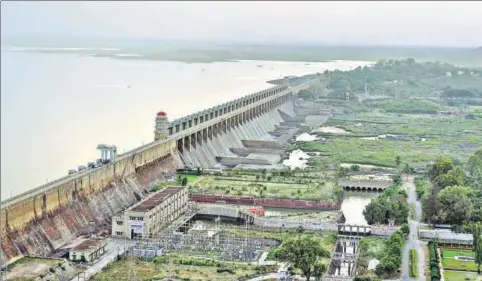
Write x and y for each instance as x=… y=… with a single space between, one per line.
x=251 y=130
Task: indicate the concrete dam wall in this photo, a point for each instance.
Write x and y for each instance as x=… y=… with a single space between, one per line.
x=41 y=220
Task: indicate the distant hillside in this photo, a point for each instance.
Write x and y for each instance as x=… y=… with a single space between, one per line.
x=205 y=52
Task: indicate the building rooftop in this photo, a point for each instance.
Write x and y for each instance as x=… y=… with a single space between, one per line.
x=157 y=198
x=89 y=244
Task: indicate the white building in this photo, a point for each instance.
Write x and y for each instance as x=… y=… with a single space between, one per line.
x=148 y=217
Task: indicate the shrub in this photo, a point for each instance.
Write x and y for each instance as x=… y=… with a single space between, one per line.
x=434 y=267
x=355 y=168
x=413 y=264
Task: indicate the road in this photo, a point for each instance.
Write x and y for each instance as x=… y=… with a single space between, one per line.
x=413 y=239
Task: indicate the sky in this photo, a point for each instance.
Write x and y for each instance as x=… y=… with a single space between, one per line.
x=454 y=23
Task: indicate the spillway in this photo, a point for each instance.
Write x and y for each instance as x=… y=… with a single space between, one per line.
x=207 y=154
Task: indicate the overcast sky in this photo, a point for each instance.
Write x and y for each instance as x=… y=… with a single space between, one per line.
x=389 y=23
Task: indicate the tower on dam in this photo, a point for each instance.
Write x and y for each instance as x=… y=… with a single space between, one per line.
x=161 y=131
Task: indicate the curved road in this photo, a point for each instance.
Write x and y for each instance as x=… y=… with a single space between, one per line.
x=413 y=241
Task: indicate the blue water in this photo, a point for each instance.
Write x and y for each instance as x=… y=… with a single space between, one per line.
x=56 y=108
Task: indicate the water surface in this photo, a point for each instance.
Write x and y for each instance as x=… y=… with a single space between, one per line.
x=57 y=107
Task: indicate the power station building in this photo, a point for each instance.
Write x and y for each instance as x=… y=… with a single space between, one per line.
x=148 y=217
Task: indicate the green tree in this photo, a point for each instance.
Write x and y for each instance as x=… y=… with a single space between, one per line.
x=319 y=269
x=355 y=168
x=398 y=160
x=303 y=252
x=184 y=181
x=474 y=167
x=381 y=209
x=407 y=169
x=476 y=230
x=453 y=177
x=441 y=166
x=478 y=253
x=455 y=205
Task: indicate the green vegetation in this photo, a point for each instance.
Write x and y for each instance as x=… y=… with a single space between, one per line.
x=369 y=248
x=391 y=259
x=420 y=139
x=305 y=252
x=460 y=276
x=422 y=187
x=449 y=262
x=414 y=106
x=158 y=187
x=381 y=209
x=366 y=278
x=184 y=268
x=434 y=262
x=390 y=205
x=413 y=267
x=452 y=199
x=408 y=78
x=478 y=252
x=308 y=185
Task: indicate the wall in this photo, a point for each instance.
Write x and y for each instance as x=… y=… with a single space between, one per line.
x=282 y=203
x=17 y=213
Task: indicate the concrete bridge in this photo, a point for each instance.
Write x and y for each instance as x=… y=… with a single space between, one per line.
x=364 y=185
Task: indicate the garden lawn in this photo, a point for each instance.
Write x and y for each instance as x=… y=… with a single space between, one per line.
x=461 y=276
x=448 y=261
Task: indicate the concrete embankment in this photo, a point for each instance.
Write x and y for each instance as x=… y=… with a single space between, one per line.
x=74 y=211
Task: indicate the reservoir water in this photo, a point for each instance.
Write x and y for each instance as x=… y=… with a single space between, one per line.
x=57 y=107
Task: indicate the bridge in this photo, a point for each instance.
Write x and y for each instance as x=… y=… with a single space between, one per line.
x=364 y=185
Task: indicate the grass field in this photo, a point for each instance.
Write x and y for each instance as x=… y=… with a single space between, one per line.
x=425 y=138
x=448 y=261
x=461 y=276
x=147 y=271
x=305 y=188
